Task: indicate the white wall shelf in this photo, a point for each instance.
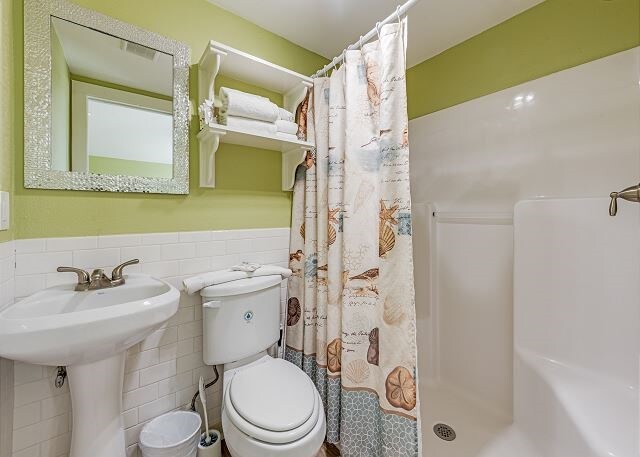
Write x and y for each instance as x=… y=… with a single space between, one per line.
x=222 y=59
x=210 y=137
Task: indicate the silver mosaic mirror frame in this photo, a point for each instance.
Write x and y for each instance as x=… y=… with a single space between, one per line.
x=37 y=102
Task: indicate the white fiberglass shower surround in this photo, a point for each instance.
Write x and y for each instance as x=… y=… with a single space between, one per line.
x=527 y=291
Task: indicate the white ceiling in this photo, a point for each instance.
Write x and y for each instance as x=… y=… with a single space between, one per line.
x=327 y=27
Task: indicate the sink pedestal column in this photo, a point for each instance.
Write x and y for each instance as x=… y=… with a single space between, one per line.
x=96 y=399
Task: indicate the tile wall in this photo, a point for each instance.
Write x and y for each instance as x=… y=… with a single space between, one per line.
x=7 y=270
x=7 y=283
x=161 y=372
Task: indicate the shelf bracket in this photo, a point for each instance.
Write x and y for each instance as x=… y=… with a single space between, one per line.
x=209 y=142
x=208 y=69
x=290 y=161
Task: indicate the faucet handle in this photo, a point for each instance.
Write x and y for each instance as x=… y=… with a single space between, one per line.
x=613 y=206
x=83 y=276
x=631 y=194
x=116 y=275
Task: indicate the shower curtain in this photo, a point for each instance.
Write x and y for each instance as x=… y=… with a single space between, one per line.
x=351 y=314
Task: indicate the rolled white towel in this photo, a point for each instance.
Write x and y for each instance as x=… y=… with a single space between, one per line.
x=250 y=125
x=196 y=283
x=242 y=104
x=285 y=115
x=287 y=127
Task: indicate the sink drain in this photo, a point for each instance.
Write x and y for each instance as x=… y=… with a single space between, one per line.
x=444 y=432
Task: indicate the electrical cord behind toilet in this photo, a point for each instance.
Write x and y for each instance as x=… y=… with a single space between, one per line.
x=197 y=394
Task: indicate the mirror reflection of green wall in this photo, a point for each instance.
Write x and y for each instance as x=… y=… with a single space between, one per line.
x=112 y=109
x=110 y=166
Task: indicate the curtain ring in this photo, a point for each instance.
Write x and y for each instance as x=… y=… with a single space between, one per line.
x=378 y=29
x=360 y=42
x=398 y=15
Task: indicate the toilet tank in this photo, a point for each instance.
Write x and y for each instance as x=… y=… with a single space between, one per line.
x=240 y=318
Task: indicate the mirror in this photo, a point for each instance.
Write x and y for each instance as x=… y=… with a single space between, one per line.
x=111 y=104
x=116 y=104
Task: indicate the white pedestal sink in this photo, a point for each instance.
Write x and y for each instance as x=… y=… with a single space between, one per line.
x=89 y=333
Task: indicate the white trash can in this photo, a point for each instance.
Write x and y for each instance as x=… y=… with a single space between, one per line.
x=175 y=434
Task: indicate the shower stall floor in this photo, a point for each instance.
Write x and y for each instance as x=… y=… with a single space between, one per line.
x=474 y=425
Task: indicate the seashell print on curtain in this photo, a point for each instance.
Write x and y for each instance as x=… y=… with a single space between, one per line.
x=351 y=313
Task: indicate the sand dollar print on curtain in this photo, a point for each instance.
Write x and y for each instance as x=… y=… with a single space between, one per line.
x=351 y=311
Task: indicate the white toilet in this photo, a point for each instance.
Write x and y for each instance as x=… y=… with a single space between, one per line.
x=270 y=407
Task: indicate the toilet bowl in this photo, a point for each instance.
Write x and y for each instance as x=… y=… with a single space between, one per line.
x=270 y=407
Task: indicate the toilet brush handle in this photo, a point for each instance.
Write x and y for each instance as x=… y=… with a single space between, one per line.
x=203 y=399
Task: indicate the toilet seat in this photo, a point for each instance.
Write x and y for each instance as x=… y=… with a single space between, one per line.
x=274 y=402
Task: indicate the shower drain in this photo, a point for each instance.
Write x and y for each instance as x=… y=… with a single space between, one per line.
x=444 y=432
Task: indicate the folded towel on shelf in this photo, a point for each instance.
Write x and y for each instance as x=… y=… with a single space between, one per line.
x=285 y=115
x=206 y=113
x=288 y=136
x=196 y=283
x=242 y=104
x=249 y=125
x=287 y=127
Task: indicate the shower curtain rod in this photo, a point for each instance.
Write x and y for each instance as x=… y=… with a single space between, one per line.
x=399 y=12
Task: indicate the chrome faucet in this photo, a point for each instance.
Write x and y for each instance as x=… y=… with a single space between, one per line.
x=98 y=279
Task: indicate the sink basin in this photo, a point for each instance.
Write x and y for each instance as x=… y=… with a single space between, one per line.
x=89 y=333
x=59 y=326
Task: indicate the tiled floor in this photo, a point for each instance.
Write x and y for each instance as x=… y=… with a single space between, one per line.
x=328 y=450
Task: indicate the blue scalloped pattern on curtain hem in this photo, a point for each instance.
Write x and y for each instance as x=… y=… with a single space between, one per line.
x=355 y=419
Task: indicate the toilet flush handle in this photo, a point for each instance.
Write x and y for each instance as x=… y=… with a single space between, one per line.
x=211 y=304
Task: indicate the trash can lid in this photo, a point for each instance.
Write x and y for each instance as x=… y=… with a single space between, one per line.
x=170 y=430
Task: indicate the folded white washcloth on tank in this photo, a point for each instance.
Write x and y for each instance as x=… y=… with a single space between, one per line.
x=249 y=267
x=197 y=283
x=242 y=104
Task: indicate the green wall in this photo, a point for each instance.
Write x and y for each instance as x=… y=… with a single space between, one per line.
x=550 y=37
x=248 y=193
x=7 y=84
x=553 y=36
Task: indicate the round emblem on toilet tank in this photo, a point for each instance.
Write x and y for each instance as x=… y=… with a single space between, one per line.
x=248 y=316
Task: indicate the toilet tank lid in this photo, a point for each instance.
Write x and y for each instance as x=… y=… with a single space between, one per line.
x=241 y=286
